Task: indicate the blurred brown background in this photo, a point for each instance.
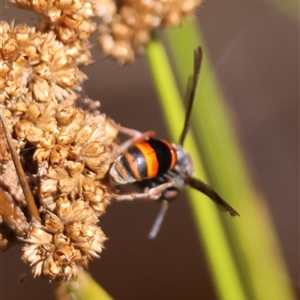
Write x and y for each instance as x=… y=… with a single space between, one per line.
x=255 y=52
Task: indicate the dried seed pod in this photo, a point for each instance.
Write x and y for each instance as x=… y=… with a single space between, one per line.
x=58 y=154
x=69 y=239
x=37 y=68
x=48 y=189
x=69 y=20
x=53 y=223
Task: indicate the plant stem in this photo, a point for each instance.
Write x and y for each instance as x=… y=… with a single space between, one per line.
x=208 y=223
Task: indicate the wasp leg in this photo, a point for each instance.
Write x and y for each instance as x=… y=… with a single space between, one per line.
x=136 y=135
x=130 y=132
x=134 y=196
x=85 y=102
x=149 y=194
x=159 y=219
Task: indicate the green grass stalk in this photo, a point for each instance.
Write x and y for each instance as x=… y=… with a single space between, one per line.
x=208 y=222
x=85 y=287
x=253 y=237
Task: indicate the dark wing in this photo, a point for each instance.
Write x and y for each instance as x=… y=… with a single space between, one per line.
x=209 y=192
x=190 y=92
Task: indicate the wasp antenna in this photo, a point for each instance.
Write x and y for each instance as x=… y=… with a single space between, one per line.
x=209 y=192
x=159 y=219
x=191 y=92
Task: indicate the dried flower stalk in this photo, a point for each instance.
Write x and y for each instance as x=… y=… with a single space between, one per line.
x=65 y=153
x=54 y=205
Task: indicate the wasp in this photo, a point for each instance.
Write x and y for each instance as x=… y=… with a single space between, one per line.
x=162 y=168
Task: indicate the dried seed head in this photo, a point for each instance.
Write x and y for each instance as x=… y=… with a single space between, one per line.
x=69 y=238
x=70 y=21
x=65 y=151
x=123 y=27
x=35 y=68
x=73 y=152
x=123 y=30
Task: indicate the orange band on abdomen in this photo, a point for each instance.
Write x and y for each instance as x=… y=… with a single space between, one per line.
x=150 y=158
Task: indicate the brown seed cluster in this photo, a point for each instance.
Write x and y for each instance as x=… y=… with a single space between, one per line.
x=123 y=34
x=123 y=26
x=65 y=152
x=75 y=160
x=34 y=66
x=72 y=154
x=69 y=20
x=67 y=241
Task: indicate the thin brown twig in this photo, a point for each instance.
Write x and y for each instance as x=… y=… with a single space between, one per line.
x=33 y=210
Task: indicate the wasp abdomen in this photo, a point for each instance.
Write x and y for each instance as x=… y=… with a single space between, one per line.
x=144 y=160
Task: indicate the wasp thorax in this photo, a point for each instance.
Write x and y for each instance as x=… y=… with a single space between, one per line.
x=185 y=164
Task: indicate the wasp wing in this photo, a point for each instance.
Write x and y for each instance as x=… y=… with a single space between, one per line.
x=209 y=192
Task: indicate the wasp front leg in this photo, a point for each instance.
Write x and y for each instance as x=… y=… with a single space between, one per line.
x=154 y=193
x=136 y=137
